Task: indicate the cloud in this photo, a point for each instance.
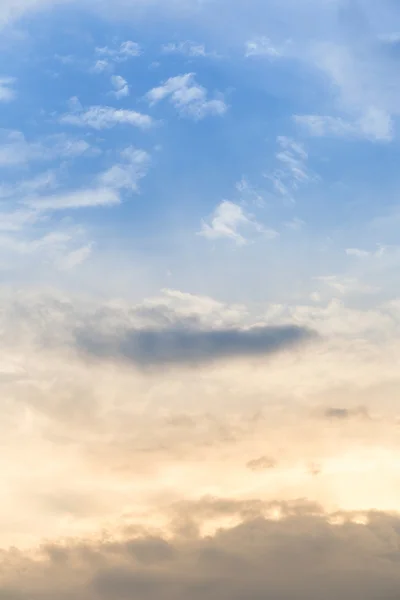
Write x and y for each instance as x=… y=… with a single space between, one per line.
x=7 y=91
x=183 y=345
x=100 y=66
x=362 y=78
x=187 y=48
x=352 y=556
x=125 y=51
x=41 y=183
x=120 y=85
x=262 y=463
x=105 y=117
x=126 y=174
x=292 y=171
x=229 y=220
x=188 y=97
x=75 y=257
x=16 y=150
x=85 y=198
x=261 y=46
x=357 y=252
x=375 y=124
x=345 y=413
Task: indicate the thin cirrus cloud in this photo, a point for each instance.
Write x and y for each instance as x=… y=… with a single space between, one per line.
x=292 y=171
x=188 y=97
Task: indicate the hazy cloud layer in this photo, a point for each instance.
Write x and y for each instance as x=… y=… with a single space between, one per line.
x=302 y=553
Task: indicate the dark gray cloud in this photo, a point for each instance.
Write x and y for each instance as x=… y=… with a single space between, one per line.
x=346 y=413
x=189 y=345
x=302 y=555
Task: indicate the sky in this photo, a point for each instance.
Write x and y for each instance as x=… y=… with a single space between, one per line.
x=199 y=299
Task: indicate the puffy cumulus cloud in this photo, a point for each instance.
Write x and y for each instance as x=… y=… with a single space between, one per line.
x=354 y=556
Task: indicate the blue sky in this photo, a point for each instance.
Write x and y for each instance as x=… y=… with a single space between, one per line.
x=199 y=299
x=288 y=120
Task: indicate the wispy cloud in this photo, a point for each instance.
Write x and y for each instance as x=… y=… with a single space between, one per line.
x=230 y=221
x=100 y=66
x=7 y=89
x=125 y=51
x=187 y=48
x=261 y=46
x=292 y=171
x=374 y=124
x=188 y=97
x=127 y=173
x=105 y=117
x=27 y=187
x=75 y=257
x=16 y=150
x=85 y=198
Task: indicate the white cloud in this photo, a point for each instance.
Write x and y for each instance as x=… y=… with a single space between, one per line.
x=261 y=46
x=90 y=197
x=7 y=91
x=120 y=85
x=39 y=183
x=292 y=171
x=126 y=50
x=295 y=224
x=188 y=97
x=248 y=193
x=357 y=252
x=17 y=220
x=100 y=66
x=75 y=257
x=186 y=48
x=127 y=173
x=374 y=124
x=105 y=117
x=229 y=220
x=50 y=240
x=365 y=84
x=16 y=150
